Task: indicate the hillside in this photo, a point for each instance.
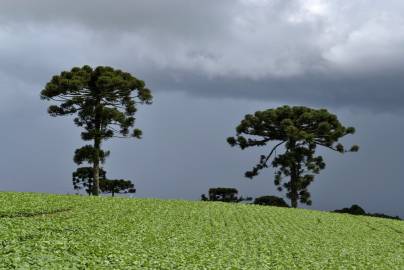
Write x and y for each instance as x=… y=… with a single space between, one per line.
x=42 y=231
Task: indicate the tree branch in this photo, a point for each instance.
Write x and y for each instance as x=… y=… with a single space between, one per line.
x=327 y=146
x=272 y=151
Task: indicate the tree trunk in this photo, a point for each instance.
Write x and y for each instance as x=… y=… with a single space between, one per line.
x=97 y=148
x=96 y=167
x=294 y=177
x=293 y=190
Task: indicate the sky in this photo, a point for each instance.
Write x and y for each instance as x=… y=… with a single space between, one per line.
x=208 y=63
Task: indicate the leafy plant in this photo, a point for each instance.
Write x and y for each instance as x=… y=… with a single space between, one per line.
x=126 y=233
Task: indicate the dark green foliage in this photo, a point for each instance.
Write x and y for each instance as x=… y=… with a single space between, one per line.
x=83 y=178
x=383 y=216
x=357 y=210
x=116 y=186
x=353 y=210
x=299 y=130
x=104 y=102
x=224 y=195
x=271 y=200
x=87 y=153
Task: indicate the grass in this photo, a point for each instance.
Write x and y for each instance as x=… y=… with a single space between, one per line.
x=42 y=231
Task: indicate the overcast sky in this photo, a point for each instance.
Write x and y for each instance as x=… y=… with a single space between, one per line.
x=208 y=64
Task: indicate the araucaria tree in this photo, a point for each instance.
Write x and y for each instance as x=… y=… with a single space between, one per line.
x=103 y=101
x=297 y=131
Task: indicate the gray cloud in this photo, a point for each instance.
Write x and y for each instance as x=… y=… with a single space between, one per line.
x=322 y=52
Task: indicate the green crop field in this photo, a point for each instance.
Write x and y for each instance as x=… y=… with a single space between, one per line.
x=41 y=231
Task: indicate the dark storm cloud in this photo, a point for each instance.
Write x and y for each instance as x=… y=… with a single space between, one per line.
x=307 y=51
x=176 y=17
x=381 y=92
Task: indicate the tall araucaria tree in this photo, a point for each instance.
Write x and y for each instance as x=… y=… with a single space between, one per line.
x=103 y=101
x=297 y=131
